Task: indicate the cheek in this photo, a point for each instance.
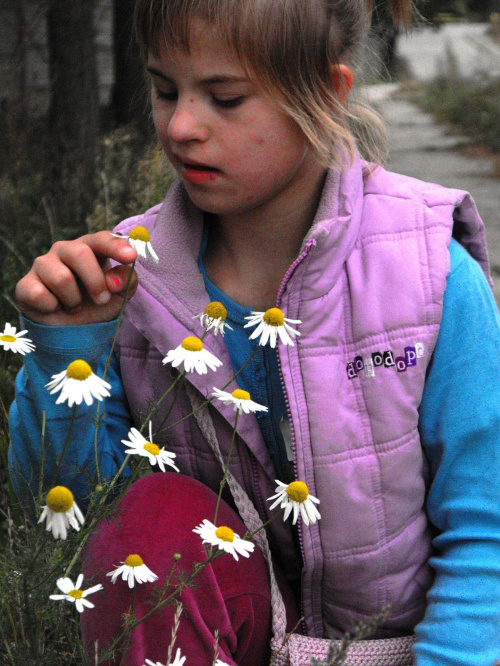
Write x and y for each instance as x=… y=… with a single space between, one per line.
x=161 y=121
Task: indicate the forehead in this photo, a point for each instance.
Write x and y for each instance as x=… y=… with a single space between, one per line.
x=205 y=49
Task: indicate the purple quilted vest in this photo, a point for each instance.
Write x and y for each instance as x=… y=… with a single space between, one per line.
x=368 y=287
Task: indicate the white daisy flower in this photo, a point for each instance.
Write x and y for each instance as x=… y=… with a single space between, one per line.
x=296 y=496
x=213 y=318
x=133 y=569
x=240 y=399
x=194 y=357
x=140 y=446
x=13 y=341
x=61 y=512
x=138 y=238
x=74 y=594
x=224 y=538
x=78 y=383
x=178 y=661
x=271 y=324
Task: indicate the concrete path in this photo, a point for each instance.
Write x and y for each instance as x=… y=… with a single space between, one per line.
x=425 y=50
x=421 y=148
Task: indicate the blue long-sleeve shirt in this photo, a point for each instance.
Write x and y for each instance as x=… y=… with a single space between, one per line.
x=460 y=432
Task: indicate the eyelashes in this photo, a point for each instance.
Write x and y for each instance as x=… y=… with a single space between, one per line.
x=216 y=101
x=228 y=103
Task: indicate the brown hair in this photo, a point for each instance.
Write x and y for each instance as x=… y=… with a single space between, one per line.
x=290 y=46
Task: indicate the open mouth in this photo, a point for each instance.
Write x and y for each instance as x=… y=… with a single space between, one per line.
x=198 y=167
x=199 y=173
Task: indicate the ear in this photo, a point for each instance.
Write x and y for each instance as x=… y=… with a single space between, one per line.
x=342 y=79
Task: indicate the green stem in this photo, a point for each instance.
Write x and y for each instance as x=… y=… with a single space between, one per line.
x=242 y=367
x=209 y=400
x=157 y=404
x=29 y=621
x=103 y=499
x=249 y=535
x=105 y=372
x=63 y=452
x=130 y=627
x=42 y=460
x=96 y=448
x=171 y=406
x=133 y=477
x=79 y=549
x=226 y=468
x=35 y=557
x=118 y=323
x=195 y=570
x=118 y=474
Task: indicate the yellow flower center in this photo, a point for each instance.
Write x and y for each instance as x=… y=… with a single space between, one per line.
x=274 y=317
x=192 y=344
x=60 y=499
x=76 y=594
x=297 y=491
x=134 y=561
x=152 y=448
x=216 y=310
x=240 y=394
x=224 y=534
x=139 y=233
x=80 y=370
x=8 y=338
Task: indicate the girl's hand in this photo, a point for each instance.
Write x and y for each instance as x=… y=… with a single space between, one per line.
x=74 y=284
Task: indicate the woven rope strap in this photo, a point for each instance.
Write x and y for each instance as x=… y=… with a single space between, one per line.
x=382 y=652
x=251 y=518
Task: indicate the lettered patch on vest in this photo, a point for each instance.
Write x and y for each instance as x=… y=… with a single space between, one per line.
x=368 y=365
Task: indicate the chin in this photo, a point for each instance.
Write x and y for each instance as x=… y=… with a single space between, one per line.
x=217 y=205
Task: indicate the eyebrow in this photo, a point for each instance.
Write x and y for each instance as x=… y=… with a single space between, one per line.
x=210 y=80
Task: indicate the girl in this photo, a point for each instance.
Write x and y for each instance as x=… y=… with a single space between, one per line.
x=386 y=406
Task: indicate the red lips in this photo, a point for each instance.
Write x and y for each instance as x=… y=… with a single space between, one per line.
x=196 y=172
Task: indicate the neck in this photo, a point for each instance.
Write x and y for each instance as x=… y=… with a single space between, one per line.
x=248 y=254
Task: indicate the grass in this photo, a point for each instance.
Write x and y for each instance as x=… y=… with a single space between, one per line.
x=470 y=107
x=127 y=185
x=130 y=179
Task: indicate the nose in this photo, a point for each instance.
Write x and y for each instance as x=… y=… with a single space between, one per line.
x=187 y=123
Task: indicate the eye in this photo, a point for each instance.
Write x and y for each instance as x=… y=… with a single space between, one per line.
x=166 y=96
x=228 y=103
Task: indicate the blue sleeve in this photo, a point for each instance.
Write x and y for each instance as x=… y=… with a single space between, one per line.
x=56 y=347
x=460 y=429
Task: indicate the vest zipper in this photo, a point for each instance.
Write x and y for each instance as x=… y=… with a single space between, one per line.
x=281 y=290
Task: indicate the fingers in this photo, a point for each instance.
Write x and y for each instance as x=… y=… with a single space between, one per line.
x=72 y=272
x=117 y=279
x=103 y=244
x=33 y=296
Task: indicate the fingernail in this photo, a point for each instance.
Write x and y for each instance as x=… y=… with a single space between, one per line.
x=103 y=298
x=117 y=281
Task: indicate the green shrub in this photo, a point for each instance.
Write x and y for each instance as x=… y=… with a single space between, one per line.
x=128 y=184
x=471 y=107
x=130 y=180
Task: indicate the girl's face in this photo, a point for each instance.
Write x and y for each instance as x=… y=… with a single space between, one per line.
x=235 y=150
